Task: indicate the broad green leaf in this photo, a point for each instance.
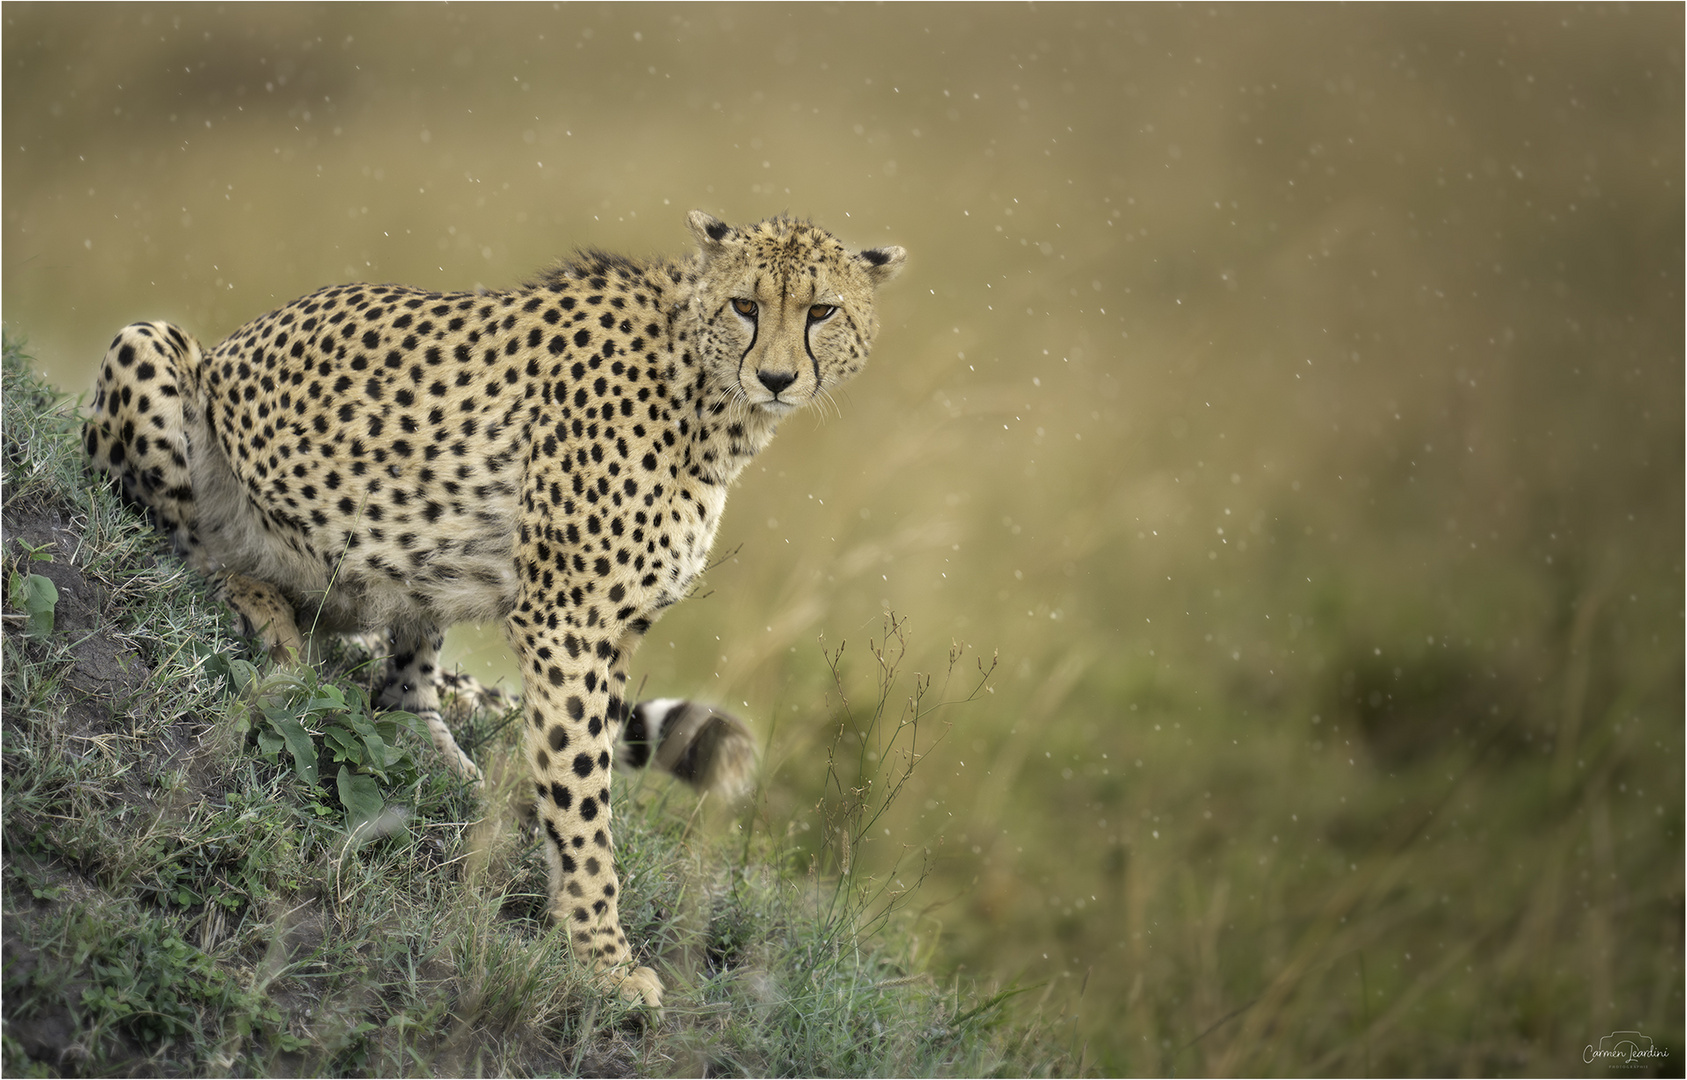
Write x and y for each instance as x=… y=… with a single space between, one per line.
x=38 y=596
x=360 y=796
x=242 y=674
x=359 y=723
x=329 y=698
x=380 y=756
x=270 y=745
x=300 y=744
x=379 y=753
x=410 y=721
x=215 y=663
x=344 y=745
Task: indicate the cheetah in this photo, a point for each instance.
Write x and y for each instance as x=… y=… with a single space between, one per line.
x=556 y=457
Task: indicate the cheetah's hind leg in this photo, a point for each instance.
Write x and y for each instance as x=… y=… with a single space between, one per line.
x=137 y=428
x=262 y=612
x=146 y=401
x=413 y=685
x=463 y=696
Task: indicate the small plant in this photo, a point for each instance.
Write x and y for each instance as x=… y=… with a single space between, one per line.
x=315 y=720
x=37 y=595
x=869 y=763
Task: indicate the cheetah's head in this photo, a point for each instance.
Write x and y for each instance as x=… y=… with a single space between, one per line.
x=787 y=311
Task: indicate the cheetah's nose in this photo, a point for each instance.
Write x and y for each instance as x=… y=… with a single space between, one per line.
x=775 y=381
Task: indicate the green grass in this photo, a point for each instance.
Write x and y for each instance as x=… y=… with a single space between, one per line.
x=210 y=869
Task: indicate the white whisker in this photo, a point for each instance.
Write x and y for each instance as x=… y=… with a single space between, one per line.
x=828 y=404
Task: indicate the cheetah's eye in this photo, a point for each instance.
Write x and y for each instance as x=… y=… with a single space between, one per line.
x=746 y=308
x=821 y=311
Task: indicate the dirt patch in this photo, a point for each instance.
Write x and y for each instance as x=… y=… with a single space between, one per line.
x=50 y=1030
x=102 y=669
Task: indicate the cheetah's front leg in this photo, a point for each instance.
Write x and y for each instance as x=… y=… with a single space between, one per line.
x=573 y=699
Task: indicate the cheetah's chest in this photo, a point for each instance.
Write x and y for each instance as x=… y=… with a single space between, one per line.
x=692 y=544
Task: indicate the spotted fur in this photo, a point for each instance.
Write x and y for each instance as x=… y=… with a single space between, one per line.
x=375 y=458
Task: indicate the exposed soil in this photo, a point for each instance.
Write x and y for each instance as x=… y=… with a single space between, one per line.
x=104 y=669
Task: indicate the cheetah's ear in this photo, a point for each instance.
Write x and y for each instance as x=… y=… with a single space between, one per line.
x=713 y=235
x=883 y=263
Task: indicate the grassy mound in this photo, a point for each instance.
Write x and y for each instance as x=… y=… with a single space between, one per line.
x=213 y=869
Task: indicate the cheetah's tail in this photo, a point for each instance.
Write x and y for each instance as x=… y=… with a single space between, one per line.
x=709 y=749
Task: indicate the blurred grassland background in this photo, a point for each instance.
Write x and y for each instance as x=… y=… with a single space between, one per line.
x=1291 y=397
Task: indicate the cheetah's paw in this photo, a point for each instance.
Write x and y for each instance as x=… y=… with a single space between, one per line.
x=262 y=612
x=639 y=986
